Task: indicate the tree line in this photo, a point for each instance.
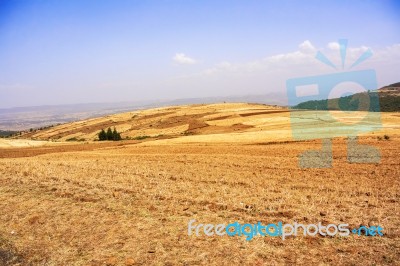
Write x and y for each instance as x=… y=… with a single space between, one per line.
x=109 y=135
x=378 y=102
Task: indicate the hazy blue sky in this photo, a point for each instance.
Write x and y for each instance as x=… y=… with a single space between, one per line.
x=57 y=52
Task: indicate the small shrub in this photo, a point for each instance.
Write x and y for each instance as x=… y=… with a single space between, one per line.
x=386 y=137
x=187 y=133
x=141 y=137
x=72 y=139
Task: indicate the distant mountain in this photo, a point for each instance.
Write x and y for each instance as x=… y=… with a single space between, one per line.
x=6 y=133
x=387 y=100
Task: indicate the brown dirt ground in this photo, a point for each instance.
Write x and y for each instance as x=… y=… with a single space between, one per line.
x=129 y=203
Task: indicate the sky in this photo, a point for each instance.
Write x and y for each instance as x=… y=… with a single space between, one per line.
x=69 y=51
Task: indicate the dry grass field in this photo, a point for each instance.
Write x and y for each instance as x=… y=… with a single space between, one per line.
x=129 y=202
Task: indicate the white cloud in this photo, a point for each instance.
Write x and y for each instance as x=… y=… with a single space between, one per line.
x=181 y=58
x=303 y=62
x=333 y=46
x=304 y=56
x=351 y=51
x=268 y=64
x=307 y=47
x=269 y=74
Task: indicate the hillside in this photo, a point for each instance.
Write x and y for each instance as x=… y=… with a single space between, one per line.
x=394 y=85
x=203 y=123
x=24 y=118
x=389 y=101
x=172 y=122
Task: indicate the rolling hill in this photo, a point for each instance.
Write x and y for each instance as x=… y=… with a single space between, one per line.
x=173 y=122
x=201 y=123
x=24 y=118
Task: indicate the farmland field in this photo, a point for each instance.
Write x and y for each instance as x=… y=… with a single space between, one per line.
x=129 y=202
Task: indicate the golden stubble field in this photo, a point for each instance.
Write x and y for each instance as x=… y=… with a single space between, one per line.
x=129 y=203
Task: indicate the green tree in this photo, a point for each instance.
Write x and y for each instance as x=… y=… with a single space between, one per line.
x=109 y=134
x=116 y=135
x=102 y=135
